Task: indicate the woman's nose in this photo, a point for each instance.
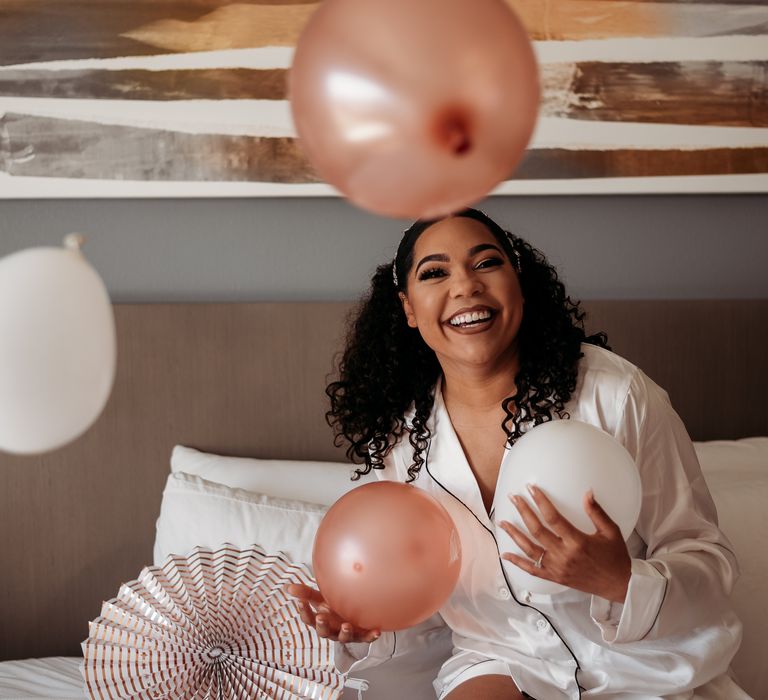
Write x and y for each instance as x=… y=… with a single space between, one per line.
x=465 y=283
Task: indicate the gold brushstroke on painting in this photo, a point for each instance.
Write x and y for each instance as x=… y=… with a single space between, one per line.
x=559 y=20
x=237 y=26
x=243 y=25
x=246 y=25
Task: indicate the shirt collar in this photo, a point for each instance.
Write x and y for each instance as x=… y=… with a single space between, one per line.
x=446 y=461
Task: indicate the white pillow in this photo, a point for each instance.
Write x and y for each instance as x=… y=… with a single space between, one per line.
x=724 y=460
x=199 y=512
x=314 y=482
x=736 y=472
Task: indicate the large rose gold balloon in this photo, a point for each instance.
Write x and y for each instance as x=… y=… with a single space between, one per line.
x=414 y=108
x=386 y=556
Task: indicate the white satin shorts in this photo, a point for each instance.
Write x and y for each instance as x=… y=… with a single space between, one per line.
x=465 y=665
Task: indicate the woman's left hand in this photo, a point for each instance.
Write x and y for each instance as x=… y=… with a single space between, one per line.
x=598 y=564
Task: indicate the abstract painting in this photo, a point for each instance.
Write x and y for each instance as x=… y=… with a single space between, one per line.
x=121 y=98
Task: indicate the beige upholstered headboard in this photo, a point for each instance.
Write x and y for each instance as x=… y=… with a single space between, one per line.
x=248 y=379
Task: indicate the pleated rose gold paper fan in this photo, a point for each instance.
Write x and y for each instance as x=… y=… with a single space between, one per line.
x=215 y=624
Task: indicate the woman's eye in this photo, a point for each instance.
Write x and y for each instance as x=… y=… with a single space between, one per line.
x=489 y=262
x=431 y=272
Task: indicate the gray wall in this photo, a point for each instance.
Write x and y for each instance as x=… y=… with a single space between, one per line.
x=643 y=247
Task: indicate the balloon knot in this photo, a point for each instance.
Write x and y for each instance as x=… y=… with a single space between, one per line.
x=452 y=130
x=74 y=241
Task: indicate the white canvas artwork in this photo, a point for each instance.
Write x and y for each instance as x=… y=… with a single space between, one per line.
x=136 y=98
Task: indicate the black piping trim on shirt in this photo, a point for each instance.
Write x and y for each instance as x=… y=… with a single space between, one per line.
x=661 y=605
x=504 y=573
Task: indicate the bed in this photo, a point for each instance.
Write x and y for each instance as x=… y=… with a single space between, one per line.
x=246 y=381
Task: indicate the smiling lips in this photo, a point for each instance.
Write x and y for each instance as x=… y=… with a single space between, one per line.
x=475 y=317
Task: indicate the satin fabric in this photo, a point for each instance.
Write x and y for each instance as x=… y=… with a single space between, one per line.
x=675 y=634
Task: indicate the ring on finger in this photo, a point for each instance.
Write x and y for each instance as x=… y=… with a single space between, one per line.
x=538 y=562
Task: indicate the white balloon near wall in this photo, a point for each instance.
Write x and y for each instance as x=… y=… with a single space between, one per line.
x=565 y=459
x=57 y=347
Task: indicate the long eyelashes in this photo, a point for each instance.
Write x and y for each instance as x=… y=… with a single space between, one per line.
x=431 y=272
x=493 y=262
x=434 y=272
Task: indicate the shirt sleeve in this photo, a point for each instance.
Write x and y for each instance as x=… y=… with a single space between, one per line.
x=685 y=578
x=349 y=658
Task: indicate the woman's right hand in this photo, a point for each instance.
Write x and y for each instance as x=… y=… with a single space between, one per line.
x=316 y=613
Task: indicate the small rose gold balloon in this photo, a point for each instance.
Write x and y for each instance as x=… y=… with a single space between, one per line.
x=387 y=556
x=414 y=109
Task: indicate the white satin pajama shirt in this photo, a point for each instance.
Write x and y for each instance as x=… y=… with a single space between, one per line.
x=675 y=634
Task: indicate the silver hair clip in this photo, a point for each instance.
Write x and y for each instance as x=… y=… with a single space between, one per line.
x=518 y=259
x=394 y=273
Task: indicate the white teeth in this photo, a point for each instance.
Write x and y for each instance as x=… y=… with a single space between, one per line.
x=470 y=317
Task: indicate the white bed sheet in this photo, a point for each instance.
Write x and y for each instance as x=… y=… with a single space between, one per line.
x=53 y=678
x=58 y=678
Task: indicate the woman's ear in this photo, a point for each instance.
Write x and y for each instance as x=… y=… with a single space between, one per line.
x=410 y=317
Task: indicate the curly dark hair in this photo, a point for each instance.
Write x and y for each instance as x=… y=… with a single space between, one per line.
x=386 y=367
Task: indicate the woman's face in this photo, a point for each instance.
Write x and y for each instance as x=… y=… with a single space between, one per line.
x=463 y=295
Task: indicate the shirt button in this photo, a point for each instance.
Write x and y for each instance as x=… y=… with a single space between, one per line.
x=542 y=625
x=504 y=593
x=527 y=596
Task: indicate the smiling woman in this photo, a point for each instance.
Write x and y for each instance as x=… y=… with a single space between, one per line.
x=467 y=340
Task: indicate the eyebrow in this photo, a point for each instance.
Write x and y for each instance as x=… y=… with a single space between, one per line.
x=442 y=257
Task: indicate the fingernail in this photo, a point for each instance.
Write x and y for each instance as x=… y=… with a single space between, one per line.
x=591 y=496
x=531 y=488
x=346 y=628
x=320 y=620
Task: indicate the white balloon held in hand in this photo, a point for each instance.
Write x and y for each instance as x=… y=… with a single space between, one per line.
x=565 y=459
